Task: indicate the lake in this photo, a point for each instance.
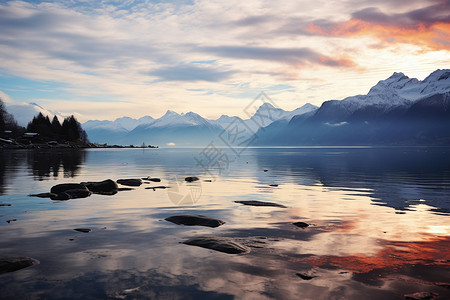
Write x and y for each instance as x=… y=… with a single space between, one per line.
x=378 y=218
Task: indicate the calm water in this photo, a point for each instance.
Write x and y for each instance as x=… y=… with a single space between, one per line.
x=379 y=218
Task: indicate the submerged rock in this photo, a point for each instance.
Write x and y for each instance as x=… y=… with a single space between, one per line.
x=274 y=185
x=85 y=230
x=259 y=203
x=11 y=264
x=107 y=187
x=5 y=204
x=219 y=244
x=130 y=182
x=191 y=178
x=59 y=188
x=43 y=195
x=301 y=224
x=305 y=276
x=12 y=220
x=195 y=220
x=156 y=187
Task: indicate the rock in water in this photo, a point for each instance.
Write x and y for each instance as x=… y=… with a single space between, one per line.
x=107 y=186
x=152 y=179
x=191 y=179
x=11 y=264
x=72 y=194
x=59 y=188
x=130 y=182
x=301 y=224
x=156 y=187
x=195 y=220
x=305 y=276
x=259 y=203
x=219 y=244
x=85 y=230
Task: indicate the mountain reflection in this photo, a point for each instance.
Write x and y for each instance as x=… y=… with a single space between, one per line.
x=396 y=177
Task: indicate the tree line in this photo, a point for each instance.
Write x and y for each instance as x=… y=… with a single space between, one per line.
x=68 y=131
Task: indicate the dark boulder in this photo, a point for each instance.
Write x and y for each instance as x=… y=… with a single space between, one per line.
x=301 y=224
x=11 y=264
x=130 y=182
x=306 y=276
x=72 y=194
x=59 y=188
x=108 y=186
x=191 y=179
x=195 y=220
x=85 y=230
x=218 y=244
x=259 y=203
x=5 y=204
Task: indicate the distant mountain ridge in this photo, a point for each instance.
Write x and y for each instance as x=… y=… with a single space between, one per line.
x=189 y=129
x=396 y=111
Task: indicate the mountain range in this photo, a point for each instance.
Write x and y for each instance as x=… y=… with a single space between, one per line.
x=396 y=111
x=189 y=129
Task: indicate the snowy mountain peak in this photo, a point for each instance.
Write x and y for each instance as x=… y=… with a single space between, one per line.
x=395 y=82
x=438 y=75
x=170 y=113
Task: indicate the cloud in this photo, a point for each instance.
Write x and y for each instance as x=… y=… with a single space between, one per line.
x=291 y=56
x=4 y=97
x=426 y=27
x=191 y=73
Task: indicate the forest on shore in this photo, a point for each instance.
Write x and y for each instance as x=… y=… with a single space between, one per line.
x=41 y=130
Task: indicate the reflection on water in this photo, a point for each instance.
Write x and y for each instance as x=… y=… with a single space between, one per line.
x=379 y=225
x=42 y=163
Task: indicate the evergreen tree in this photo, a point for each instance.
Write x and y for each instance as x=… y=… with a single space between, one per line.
x=72 y=130
x=56 y=127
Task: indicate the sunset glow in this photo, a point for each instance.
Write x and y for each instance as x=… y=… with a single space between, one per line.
x=107 y=59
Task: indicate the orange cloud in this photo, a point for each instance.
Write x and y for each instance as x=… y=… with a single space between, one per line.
x=434 y=36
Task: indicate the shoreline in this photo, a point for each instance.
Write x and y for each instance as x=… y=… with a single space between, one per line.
x=71 y=146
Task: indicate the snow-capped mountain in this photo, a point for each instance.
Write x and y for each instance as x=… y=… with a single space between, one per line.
x=172 y=119
x=123 y=124
x=397 y=110
x=394 y=92
x=24 y=112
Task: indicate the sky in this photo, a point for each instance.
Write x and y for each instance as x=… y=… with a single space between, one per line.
x=107 y=59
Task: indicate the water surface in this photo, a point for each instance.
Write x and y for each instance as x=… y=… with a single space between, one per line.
x=379 y=224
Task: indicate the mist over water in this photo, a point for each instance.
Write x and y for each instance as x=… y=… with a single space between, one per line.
x=379 y=224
